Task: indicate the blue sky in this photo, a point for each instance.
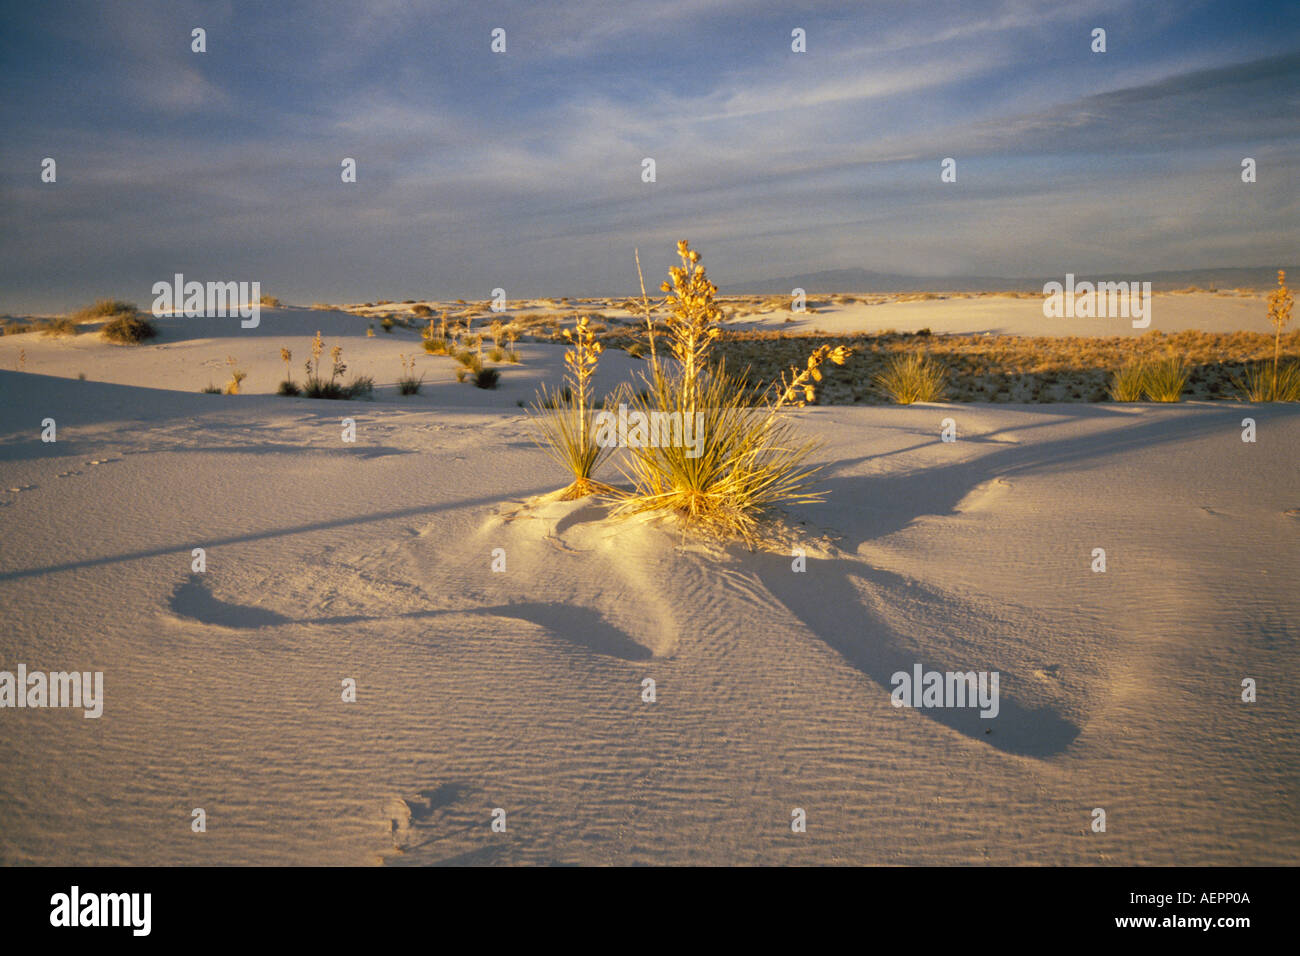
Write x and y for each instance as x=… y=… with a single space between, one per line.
x=523 y=170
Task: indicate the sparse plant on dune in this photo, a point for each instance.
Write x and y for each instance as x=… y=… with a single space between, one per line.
x=487 y=378
x=61 y=326
x=1127 y=382
x=128 y=330
x=564 y=421
x=317 y=386
x=104 y=309
x=1281 y=382
x=913 y=377
x=288 y=386
x=408 y=384
x=237 y=375
x=1166 y=378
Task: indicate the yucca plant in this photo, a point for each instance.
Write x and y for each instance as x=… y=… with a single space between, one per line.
x=913 y=377
x=237 y=375
x=1280 y=302
x=564 y=420
x=1166 y=378
x=1265 y=382
x=744 y=456
x=408 y=384
x=1127 y=382
x=749 y=458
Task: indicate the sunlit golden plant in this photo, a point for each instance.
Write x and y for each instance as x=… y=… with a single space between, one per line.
x=564 y=420
x=1127 y=382
x=1280 y=302
x=237 y=375
x=746 y=457
x=1166 y=378
x=913 y=377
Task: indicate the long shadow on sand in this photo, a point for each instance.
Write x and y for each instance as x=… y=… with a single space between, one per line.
x=575 y=624
x=819 y=597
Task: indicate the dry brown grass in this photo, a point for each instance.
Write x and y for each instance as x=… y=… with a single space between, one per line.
x=1009 y=368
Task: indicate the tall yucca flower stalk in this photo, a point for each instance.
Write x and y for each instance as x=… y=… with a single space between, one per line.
x=692 y=317
x=564 y=420
x=1280 y=302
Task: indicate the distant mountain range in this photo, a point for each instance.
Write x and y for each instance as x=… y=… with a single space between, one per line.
x=863 y=280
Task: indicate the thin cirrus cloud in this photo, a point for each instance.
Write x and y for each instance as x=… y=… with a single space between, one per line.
x=523 y=170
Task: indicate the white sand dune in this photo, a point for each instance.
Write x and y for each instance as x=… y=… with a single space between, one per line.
x=1002 y=315
x=522 y=689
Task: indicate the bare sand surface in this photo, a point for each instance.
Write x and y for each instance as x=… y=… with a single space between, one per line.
x=522 y=690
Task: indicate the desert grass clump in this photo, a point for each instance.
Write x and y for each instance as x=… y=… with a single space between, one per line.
x=564 y=420
x=913 y=377
x=1166 y=378
x=421 y=310
x=60 y=327
x=128 y=329
x=270 y=301
x=237 y=375
x=1127 y=382
x=408 y=384
x=105 y=309
x=486 y=378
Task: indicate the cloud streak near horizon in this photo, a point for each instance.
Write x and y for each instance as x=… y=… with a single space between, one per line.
x=522 y=170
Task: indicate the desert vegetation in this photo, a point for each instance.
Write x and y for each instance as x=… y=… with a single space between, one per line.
x=910 y=377
x=1280 y=382
x=408 y=383
x=745 y=457
x=317 y=385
